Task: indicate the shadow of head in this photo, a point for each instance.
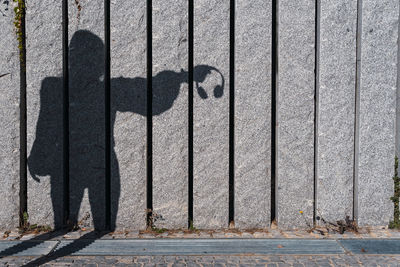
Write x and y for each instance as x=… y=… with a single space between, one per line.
x=86 y=52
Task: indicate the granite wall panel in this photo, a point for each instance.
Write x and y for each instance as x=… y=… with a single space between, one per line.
x=377 y=111
x=295 y=113
x=253 y=94
x=170 y=113
x=211 y=114
x=336 y=109
x=129 y=111
x=44 y=112
x=9 y=119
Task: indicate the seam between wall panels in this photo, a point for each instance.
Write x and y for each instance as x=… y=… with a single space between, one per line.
x=274 y=110
x=232 y=113
x=23 y=187
x=65 y=113
x=316 y=102
x=357 y=110
x=149 y=160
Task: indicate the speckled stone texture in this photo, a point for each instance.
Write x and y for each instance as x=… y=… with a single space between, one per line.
x=295 y=129
x=170 y=113
x=44 y=109
x=211 y=116
x=398 y=104
x=378 y=76
x=9 y=120
x=337 y=79
x=129 y=102
x=349 y=129
x=87 y=113
x=253 y=114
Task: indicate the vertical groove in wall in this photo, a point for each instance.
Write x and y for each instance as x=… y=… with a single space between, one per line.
x=107 y=102
x=357 y=109
x=149 y=115
x=274 y=69
x=190 y=119
x=23 y=176
x=232 y=112
x=316 y=99
x=65 y=112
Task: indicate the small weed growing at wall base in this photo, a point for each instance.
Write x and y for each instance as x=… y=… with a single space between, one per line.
x=27 y=227
x=191 y=227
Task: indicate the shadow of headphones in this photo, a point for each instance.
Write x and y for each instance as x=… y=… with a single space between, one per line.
x=203 y=71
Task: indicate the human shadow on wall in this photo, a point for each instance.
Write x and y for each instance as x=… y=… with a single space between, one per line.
x=87 y=131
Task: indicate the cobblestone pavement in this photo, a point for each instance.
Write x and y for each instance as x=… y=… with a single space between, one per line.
x=273 y=261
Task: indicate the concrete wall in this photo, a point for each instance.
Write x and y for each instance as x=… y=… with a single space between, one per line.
x=220 y=112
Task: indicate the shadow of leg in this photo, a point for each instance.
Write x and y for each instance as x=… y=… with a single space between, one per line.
x=25 y=245
x=69 y=249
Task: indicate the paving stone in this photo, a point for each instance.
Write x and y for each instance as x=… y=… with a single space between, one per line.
x=163 y=235
x=260 y=235
x=72 y=235
x=246 y=235
x=252 y=114
x=119 y=236
x=144 y=259
x=191 y=235
x=12 y=237
x=211 y=115
x=218 y=235
x=178 y=234
x=132 y=234
x=377 y=111
x=27 y=237
x=232 y=235
x=147 y=236
x=194 y=264
x=337 y=79
x=204 y=235
x=295 y=121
